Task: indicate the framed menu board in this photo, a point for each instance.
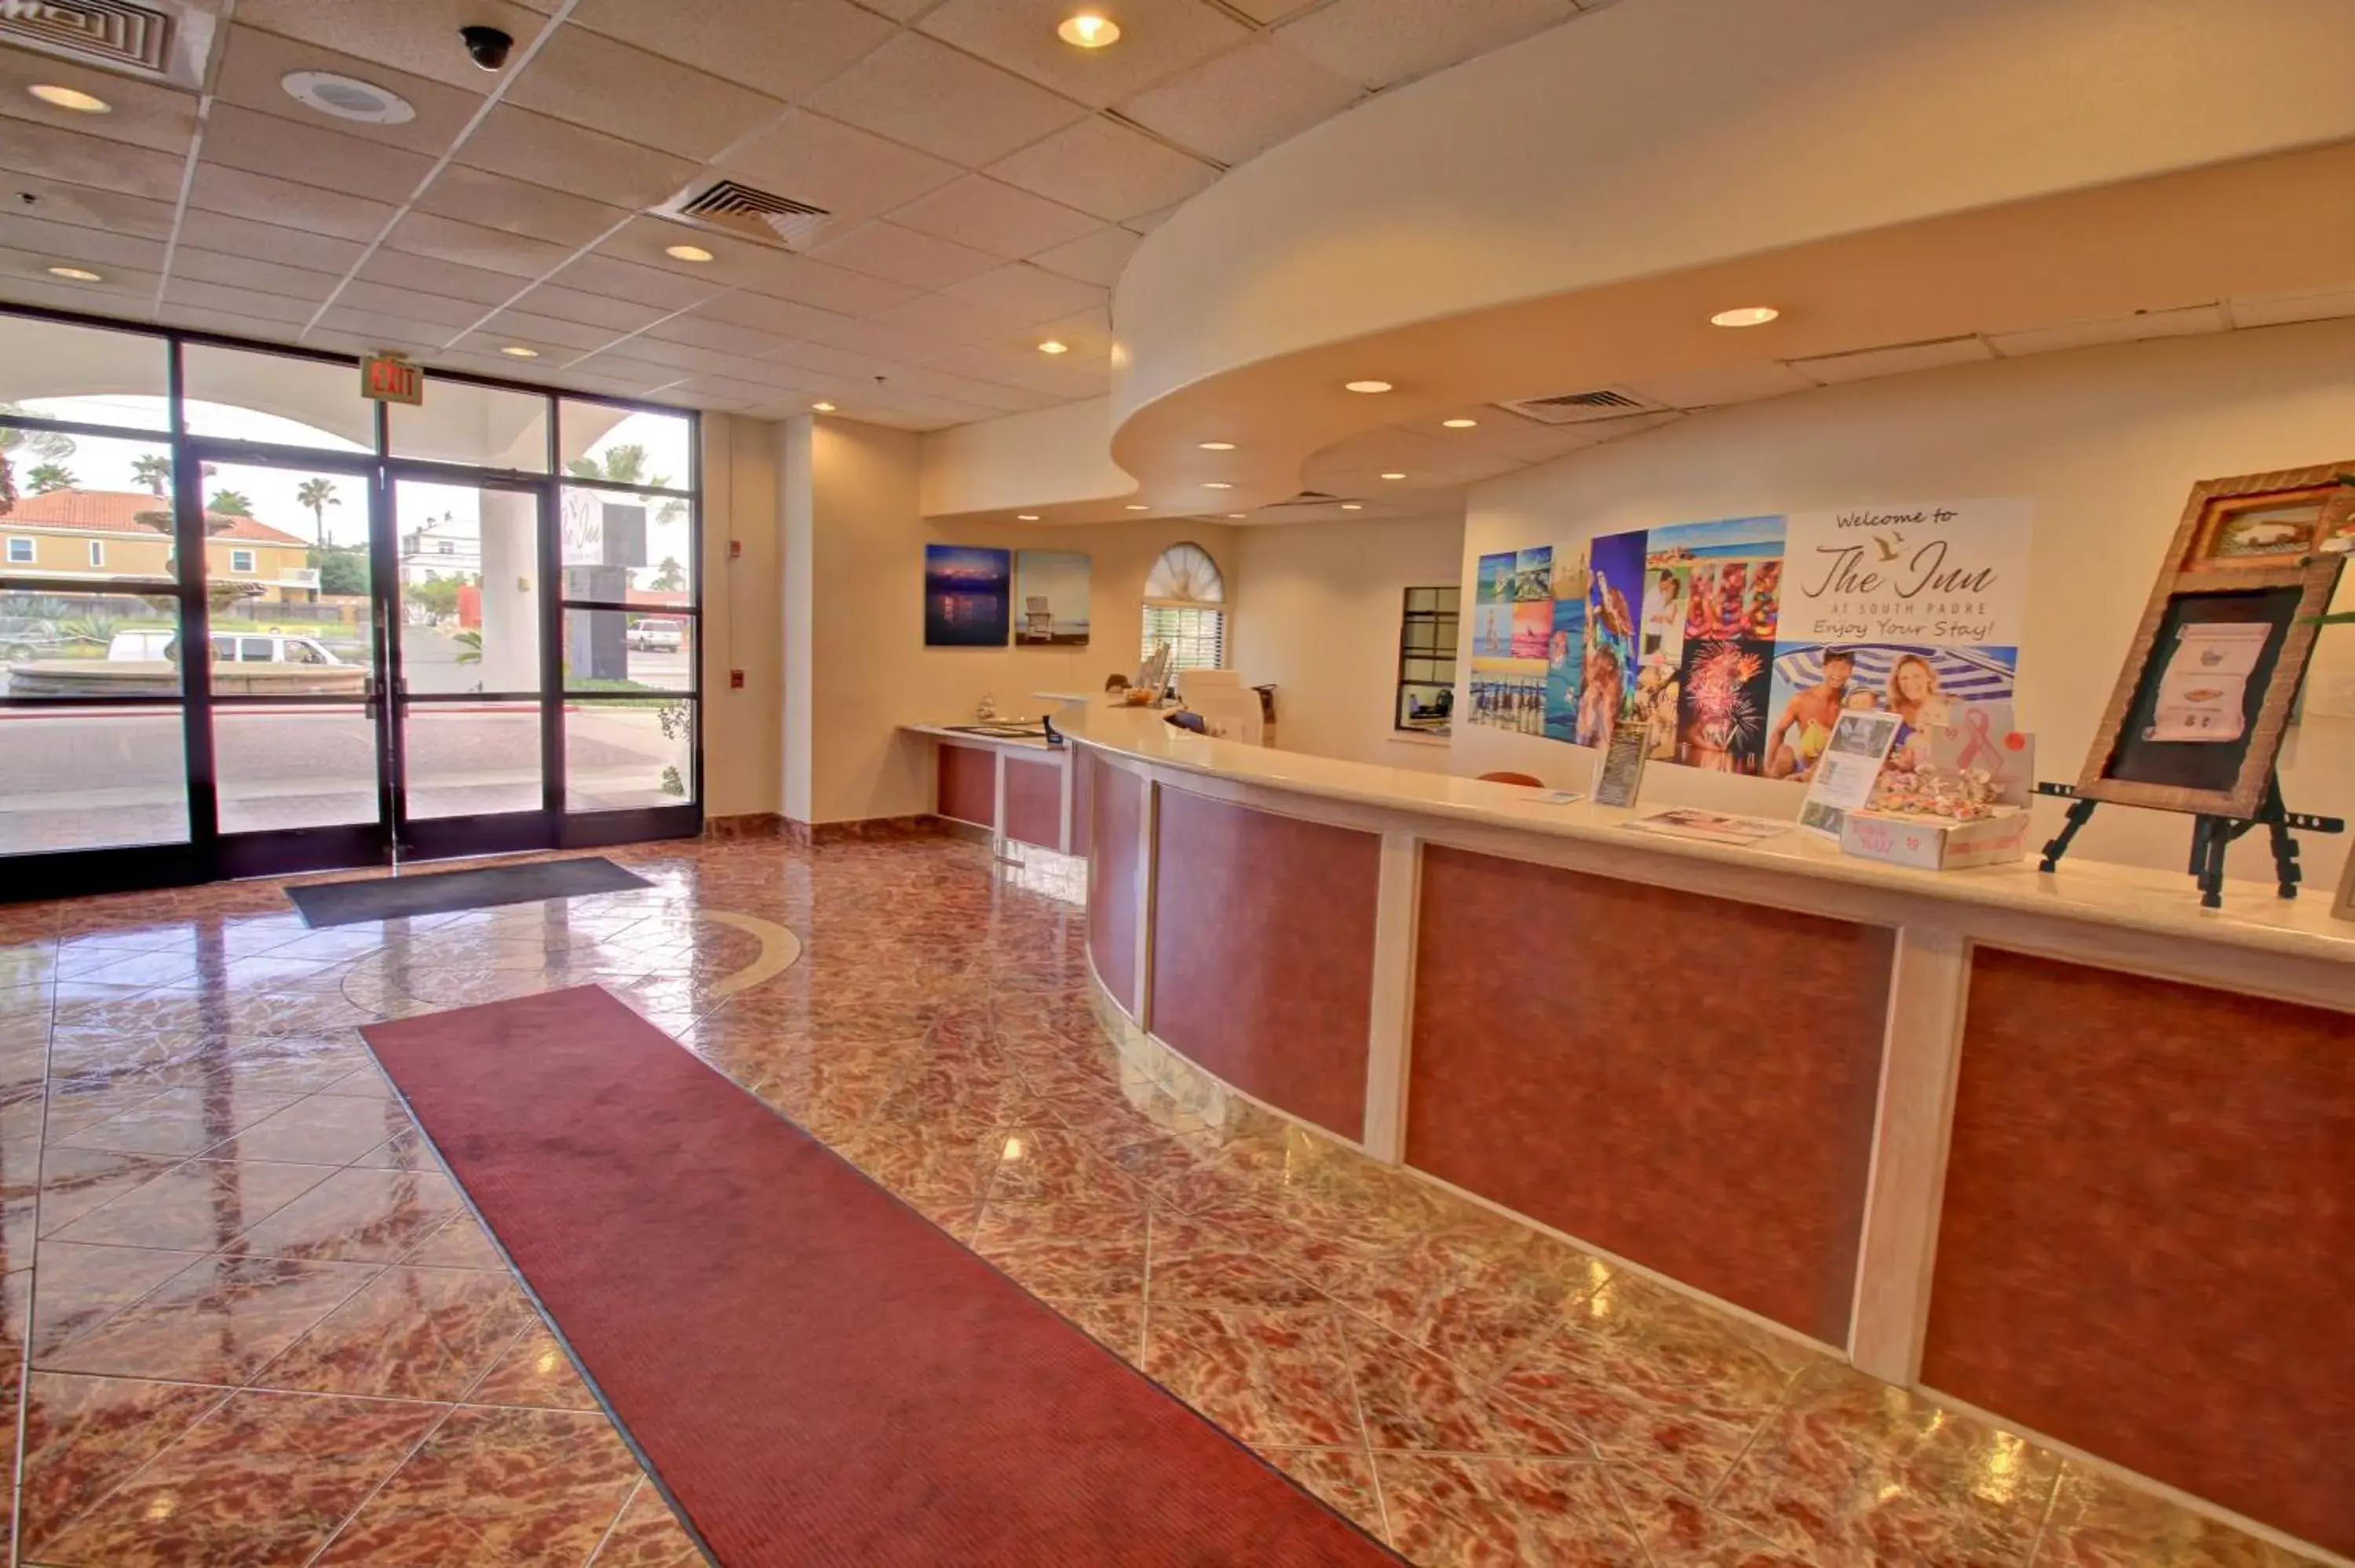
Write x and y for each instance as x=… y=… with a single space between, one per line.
x=2195 y=723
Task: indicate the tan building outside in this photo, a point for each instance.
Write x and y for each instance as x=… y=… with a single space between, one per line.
x=96 y=535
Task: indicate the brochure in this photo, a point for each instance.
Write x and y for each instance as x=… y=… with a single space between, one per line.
x=1843 y=774
x=1710 y=827
x=1620 y=772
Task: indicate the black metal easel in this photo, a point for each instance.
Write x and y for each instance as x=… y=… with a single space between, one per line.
x=2211 y=835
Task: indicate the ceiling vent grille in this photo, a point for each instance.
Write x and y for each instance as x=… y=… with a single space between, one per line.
x=745 y=209
x=1583 y=408
x=1305 y=498
x=111 y=34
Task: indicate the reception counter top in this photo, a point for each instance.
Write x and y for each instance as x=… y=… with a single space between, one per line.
x=2064 y=1148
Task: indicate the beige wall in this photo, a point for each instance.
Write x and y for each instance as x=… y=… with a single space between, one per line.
x=1317 y=613
x=741 y=624
x=2104 y=442
x=854 y=544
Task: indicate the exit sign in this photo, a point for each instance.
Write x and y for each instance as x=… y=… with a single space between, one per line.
x=391 y=378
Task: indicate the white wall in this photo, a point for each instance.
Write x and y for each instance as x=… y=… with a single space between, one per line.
x=740 y=747
x=1317 y=613
x=2105 y=443
x=854 y=555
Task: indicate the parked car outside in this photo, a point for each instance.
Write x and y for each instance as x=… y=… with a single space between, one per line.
x=655 y=635
x=228 y=648
x=22 y=642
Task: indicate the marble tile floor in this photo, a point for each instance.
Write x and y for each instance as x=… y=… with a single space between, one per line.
x=252 y=1323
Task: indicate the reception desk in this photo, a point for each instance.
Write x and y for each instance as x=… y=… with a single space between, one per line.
x=1015 y=786
x=2065 y=1149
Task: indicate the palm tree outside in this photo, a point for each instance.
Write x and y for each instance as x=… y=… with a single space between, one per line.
x=152 y=471
x=43 y=478
x=318 y=494
x=626 y=464
x=229 y=503
x=49 y=446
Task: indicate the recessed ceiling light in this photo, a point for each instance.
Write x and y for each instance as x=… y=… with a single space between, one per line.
x=1217 y=484
x=1459 y=424
x=1052 y=346
x=1745 y=316
x=686 y=253
x=517 y=351
x=1368 y=386
x=821 y=407
x=347 y=98
x=1218 y=446
x=1235 y=516
x=1136 y=506
x=1393 y=476
x=1026 y=518
x=1351 y=506
x=71 y=98
x=76 y=274
x=1089 y=31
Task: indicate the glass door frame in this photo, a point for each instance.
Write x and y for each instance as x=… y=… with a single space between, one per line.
x=208 y=854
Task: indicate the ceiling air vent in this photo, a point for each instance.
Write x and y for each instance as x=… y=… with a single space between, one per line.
x=743 y=209
x=1583 y=408
x=1305 y=498
x=107 y=32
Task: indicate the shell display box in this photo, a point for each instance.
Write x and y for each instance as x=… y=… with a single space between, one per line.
x=1936 y=844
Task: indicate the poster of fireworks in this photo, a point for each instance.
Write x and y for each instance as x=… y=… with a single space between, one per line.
x=1737 y=643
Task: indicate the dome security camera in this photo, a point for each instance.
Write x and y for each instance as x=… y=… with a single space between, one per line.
x=487 y=47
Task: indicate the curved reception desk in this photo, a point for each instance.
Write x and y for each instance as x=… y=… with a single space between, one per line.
x=2063 y=1148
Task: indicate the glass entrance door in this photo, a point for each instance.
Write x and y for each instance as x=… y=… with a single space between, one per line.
x=473 y=734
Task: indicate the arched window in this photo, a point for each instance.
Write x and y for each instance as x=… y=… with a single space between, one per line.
x=1185 y=601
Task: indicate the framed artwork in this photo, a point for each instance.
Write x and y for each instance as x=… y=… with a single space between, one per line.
x=2196 y=720
x=1050 y=591
x=968 y=595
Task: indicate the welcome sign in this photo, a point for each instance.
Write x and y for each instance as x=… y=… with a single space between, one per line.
x=1943 y=574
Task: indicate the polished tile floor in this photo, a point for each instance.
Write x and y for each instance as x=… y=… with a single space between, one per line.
x=252 y=1322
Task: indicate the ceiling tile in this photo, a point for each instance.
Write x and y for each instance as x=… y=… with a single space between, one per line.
x=781 y=48
x=1106 y=169
x=903 y=255
x=1381 y=43
x=591 y=80
x=1238 y=105
x=827 y=287
x=117 y=287
x=408 y=303
x=2278 y=310
x=684 y=358
x=1028 y=293
x=639 y=285
x=719 y=392
x=1270 y=10
x=242 y=237
x=501 y=201
x=187 y=293
x=259 y=143
x=848 y=172
x=900 y=10
x=762 y=314
x=958 y=321
x=1145 y=223
x=845 y=365
x=885 y=342
x=2117 y=329
x=1897 y=361
x=386 y=332
x=1159 y=38
x=1629 y=424
x=141 y=113
x=618 y=378
x=928 y=95
x=544 y=333
x=1499 y=431
x=430 y=275
x=420 y=37
x=572 y=305
x=646 y=241
x=255 y=65
x=85 y=247
x=196 y=318
x=979 y=211
x=1724 y=384
x=729 y=338
x=423 y=234
x=61 y=155
x=247 y=271
x=569 y=158
x=1098 y=258
x=85 y=208
x=266 y=200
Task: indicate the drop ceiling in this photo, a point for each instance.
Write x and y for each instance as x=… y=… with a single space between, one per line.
x=987 y=183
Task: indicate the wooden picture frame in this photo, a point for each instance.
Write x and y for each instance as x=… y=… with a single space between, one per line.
x=2343 y=907
x=2247 y=548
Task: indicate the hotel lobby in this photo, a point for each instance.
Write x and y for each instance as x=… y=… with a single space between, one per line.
x=1176 y=782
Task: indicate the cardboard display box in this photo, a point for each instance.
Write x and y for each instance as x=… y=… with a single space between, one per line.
x=1935 y=843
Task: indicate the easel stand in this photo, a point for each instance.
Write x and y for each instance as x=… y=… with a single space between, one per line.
x=2210 y=837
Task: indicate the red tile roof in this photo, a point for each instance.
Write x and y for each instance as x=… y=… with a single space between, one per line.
x=117 y=511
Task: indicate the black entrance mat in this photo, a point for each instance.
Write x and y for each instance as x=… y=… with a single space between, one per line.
x=399 y=898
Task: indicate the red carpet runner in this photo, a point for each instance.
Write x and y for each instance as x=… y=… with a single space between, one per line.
x=818 y=1374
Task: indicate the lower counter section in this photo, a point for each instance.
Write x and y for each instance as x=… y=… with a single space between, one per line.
x=1687 y=1082
x=1970 y=1147
x=1266 y=982
x=2148 y=1244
